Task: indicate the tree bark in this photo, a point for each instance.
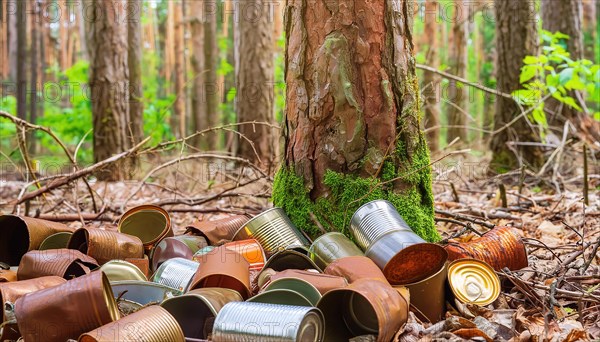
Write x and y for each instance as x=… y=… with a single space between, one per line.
x=22 y=57
x=134 y=62
x=13 y=42
x=199 y=119
x=457 y=61
x=33 y=82
x=3 y=41
x=516 y=37
x=211 y=86
x=590 y=22
x=179 y=45
x=108 y=79
x=352 y=116
x=431 y=81
x=255 y=81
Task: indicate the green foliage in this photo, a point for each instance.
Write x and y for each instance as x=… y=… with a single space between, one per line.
x=554 y=73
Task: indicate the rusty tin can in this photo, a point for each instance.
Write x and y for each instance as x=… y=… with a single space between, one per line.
x=66 y=311
x=373 y=220
x=353 y=268
x=20 y=234
x=198 y=256
x=290 y=259
x=105 y=245
x=7 y=276
x=274 y=230
x=149 y=223
x=500 y=247
x=66 y=263
x=303 y=287
x=414 y=263
x=281 y=297
x=428 y=296
x=150 y=324
x=56 y=241
x=223 y=268
x=142 y=263
x=322 y=282
x=365 y=307
x=251 y=250
x=218 y=230
x=332 y=246
x=247 y=321
x=473 y=281
x=142 y=292
x=196 y=310
x=182 y=246
x=117 y=270
x=176 y=273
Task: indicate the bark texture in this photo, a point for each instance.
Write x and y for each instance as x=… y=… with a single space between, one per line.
x=11 y=18
x=211 y=60
x=22 y=57
x=134 y=62
x=432 y=81
x=199 y=120
x=457 y=61
x=516 y=37
x=179 y=105
x=254 y=79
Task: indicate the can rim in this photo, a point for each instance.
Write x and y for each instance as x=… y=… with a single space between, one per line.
x=149 y=207
x=255 y=218
x=493 y=277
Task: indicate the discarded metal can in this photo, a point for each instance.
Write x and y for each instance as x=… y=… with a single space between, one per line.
x=117 y=270
x=473 y=281
x=500 y=247
x=428 y=296
x=353 y=268
x=150 y=223
x=246 y=321
x=332 y=246
x=20 y=234
x=66 y=263
x=196 y=310
x=290 y=259
x=105 y=245
x=223 y=268
x=251 y=250
x=373 y=220
x=365 y=307
x=281 y=297
x=7 y=276
x=56 y=241
x=143 y=292
x=201 y=252
x=66 y=311
x=142 y=263
x=218 y=230
x=176 y=273
x=306 y=289
x=274 y=230
x=322 y=282
x=182 y=246
x=151 y=324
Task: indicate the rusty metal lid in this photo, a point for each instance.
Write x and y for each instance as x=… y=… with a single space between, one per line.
x=473 y=281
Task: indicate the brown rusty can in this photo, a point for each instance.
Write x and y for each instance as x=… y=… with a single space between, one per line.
x=142 y=263
x=7 y=276
x=105 y=245
x=66 y=263
x=322 y=282
x=428 y=296
x=223 y=268
x=182 y=246
x=20 y=234
x=151 y=324
x=251 y=250
x=290 y=259
x=500 y=247
x=354 y=268
x=68 y=310
x=365 y=307
x=218 y=230
x=415 y=263
x=150 y=223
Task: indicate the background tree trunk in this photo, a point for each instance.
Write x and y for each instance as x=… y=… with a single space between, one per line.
x=516 y=37
x=457 y=93
x=211 y=59
x=590 y=22
x=13 y=43
x=3 y=41
x=108 y=78
x=33 y=81
x=199 y=119
x=431 y=81
x=22 y=57
x=134 y=62
x=255 y=81
x=179 y=45
x=352 y=116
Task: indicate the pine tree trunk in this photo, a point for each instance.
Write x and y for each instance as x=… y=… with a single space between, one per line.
x=352 y=118
x=179 y=44
x=590 y=21
x=255 y=82
x=13 y=43
x=431 y=81
x=457 y=93
x=199 y=119
x=108 y=79
x=134 y=62
x=211 y=86
x=3 y=41
x=516 y=37
x=22 y=57
x=33 y=82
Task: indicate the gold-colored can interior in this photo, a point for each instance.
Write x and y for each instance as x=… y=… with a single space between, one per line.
x=473 y=281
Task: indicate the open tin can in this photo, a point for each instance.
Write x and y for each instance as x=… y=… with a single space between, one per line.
x=150 y=223
x=105 y=245
x=218 y=230
x=332 y=246
x=428 y=295
x=182 y=246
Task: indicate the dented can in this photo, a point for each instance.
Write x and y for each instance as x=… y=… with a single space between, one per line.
x=428 y=296
x=150 y=223
x=473 y=281
x=66 y=263
x=56 y=241
x=274 y=230
x=247 y=321
x=20 y=234
x=105 y=245
x=500 y=247
x=176 y=273
x=117 y=270
x=281 y=297
x=182 y=246
x=218 y=230
x=251 y=250
x=150 y=324
x=332 y=246
x=290 y=259
x=68 y=310
x=353 y=268
x=322 y=282
x=143 y=292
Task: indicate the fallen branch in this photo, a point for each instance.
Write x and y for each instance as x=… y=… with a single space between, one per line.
x=465 y=218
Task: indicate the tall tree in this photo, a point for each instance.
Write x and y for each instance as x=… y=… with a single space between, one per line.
x=33 y=81
x=457 y=61
x=107 y=44
x=431 y=81
x=134 y=62
x=255 y=81
x=211 y=59
x=516 y=37
x=352 y=117
x=590 y=23
x=3 y=41
x=13 y=43
x=179 y=44
x=199 y=119
x=22 y=57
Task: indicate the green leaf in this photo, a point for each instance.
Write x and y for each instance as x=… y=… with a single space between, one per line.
x=526 y=96
x=531 y=60
x=540 y=117
x=571 y=102
x=597 y=116
x=528 y=72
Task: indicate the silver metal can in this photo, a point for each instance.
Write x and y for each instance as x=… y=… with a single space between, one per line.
x=176 y=273
x=332 y=246
x=374 y=219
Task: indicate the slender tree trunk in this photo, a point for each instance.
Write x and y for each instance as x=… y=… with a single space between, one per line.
x=457 y=93
x=199 y=119
x=431 y=81
x=22 y=57
x=516 y=37
x=134 y=62
x=33 y=84
x=211 y=86
x=255 y=82
x=42 y=58
x=13 y=41
x=179 y=105
x=352 y=115
x=590 y=22
x=108 y=78
x=83 y=50
x=3 y=41
x=63 y=38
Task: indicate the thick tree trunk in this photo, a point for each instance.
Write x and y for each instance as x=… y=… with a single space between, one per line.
x=199 y=119
x=134 y=62
x=255 y=82
x=108 y=79
x=179 y=44
x=516 y=37
x=431 y=81
x=457 y=93
x=22 y=57
x=352 y=118
x=211 y=59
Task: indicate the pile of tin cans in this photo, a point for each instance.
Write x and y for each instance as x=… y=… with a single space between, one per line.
x=238 y=278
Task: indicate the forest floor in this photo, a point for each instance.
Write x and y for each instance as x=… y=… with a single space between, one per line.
x=556 y=298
